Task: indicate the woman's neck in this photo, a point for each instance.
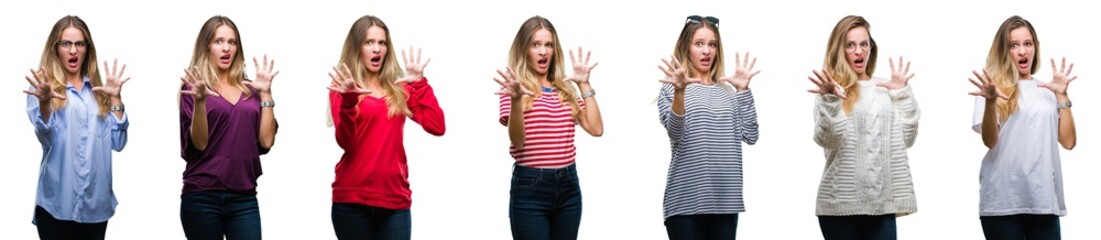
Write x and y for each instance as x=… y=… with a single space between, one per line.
x=863 y=77
x=223 y=76
x=543 y=81
x=75 y=79
x=372 y=80
x=705 y=78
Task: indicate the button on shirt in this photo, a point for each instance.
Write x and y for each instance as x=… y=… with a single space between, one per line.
x=74 y=181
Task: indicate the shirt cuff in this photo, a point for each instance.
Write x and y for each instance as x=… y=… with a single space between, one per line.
x=119 y=124
x=40 y=124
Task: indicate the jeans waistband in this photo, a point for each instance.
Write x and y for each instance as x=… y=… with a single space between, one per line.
x=572 y=169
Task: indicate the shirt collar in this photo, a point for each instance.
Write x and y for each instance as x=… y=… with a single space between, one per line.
x=87 y=82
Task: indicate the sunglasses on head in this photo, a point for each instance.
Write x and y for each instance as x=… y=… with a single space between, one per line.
x=698 y=19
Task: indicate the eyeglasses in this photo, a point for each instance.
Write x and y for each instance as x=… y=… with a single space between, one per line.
x=864 y=45
x=698 y=19
x=69 y=44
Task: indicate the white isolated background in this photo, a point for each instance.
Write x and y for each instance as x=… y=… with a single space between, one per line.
x=461 y=180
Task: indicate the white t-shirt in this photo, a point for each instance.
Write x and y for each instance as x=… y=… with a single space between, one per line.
x=1022 y=173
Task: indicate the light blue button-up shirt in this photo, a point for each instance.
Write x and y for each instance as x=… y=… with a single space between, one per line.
x=74 y=182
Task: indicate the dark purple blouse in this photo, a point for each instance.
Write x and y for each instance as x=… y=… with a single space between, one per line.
x=231 y=161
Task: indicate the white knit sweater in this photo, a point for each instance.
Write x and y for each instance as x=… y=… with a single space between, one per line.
x=867 y=171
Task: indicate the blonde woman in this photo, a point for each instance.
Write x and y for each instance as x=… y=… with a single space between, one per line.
x=370 y=99
x=78 y=118
x=708 y=116
x=545 y=197
x=864 y=125
x=226 y=122
x=1023 y=121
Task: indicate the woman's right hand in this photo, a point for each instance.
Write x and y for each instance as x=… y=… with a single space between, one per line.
x=825 y=83
x=41 y=85
x=987 y=88
x=675 y=74
x=343 y=82
x=199 y=85
x=510 y=86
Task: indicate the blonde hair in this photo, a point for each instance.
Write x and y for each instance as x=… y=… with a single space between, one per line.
x=1000 y=64
x=201 y=57
x=684 y=45
x=55 y=72
x=518 y=60
x=352 y=55
x=837 y=64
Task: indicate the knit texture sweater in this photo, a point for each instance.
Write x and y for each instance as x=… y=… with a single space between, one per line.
x=867 y=171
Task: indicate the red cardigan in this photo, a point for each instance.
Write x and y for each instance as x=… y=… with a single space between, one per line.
x=373 y=169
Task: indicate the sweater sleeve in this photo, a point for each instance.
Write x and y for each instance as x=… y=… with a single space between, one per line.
x=748 y=112
x=674 y=124
x=907 y=112
x=187 y=106
x=343 y=110
x=426 y=109
x=830 y=121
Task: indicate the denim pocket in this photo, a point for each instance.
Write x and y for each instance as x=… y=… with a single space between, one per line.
x=573 y=177
x=525 y=179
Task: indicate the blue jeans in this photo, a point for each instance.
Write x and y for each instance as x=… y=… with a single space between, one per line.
x=878 y=227
x=50 y=228
x=702 y=226
x=214 y=214
x=1021 y=226
x=355 y=221
x=544 y=203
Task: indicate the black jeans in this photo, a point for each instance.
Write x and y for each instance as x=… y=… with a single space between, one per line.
x=355 y=221
x=1021 y=226
x=878 y=227
x=702 y=226
x=50 y=228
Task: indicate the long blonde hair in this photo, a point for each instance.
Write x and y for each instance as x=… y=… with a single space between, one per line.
x=839 y=67
x=1002 y=69
x=201 y=57
x=55 y=72
x=518 y=60
x=684 y=45
x=352 y=55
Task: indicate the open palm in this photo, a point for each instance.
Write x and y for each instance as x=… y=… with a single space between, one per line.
x=675 y=74
x=510 y=86
x=113 y=86
x=343 y=82
x=826 y=84
x=414 y=68
x=265 y=73
x=1061 y=78
x=743 y=72
x=581 y=66
x=199 y=87
x=987 y=88
x=900 y=75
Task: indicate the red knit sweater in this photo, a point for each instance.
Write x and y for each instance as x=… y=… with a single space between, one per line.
x=373 y=169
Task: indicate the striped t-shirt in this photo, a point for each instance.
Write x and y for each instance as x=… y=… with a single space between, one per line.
x=705 y=174
x=548 y=132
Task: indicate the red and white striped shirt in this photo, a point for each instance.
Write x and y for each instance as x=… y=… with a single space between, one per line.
x=548 y=132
